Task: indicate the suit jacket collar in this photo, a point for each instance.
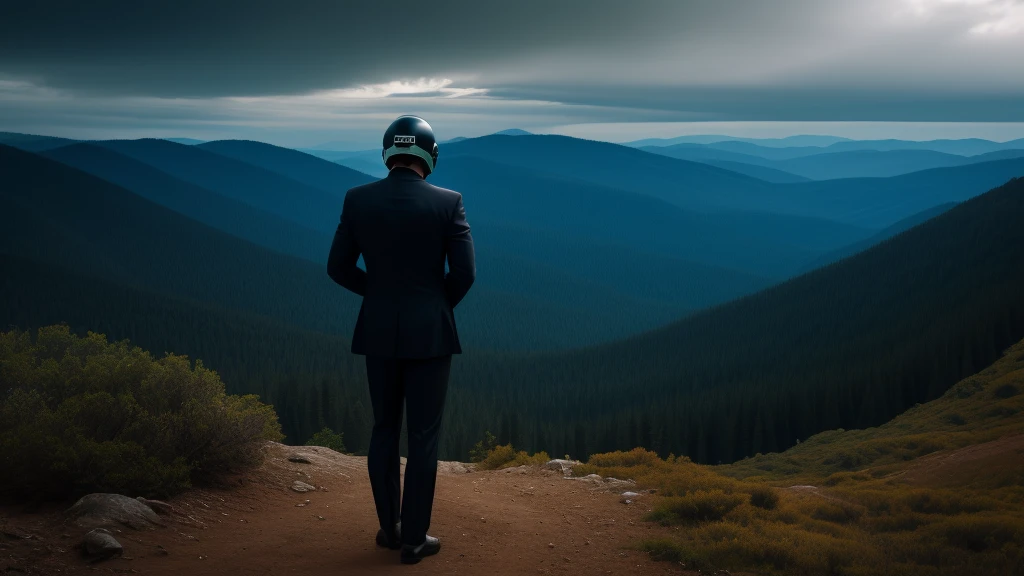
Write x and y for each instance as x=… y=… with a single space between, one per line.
x=401 y=173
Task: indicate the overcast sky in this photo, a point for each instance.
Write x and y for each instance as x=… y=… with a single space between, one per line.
x=301 y=73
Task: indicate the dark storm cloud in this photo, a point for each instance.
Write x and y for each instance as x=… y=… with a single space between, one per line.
x=606 y=60
x=204 y=48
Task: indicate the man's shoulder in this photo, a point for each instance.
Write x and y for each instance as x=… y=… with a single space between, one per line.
x=358 y=191
x=443 y=193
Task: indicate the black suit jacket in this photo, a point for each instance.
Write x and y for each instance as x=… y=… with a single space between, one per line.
x=404 y=228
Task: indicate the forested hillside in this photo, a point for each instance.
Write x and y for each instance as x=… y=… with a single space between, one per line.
x=847 y=346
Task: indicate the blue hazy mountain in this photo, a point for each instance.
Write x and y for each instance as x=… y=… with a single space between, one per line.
x=765 y=173
x=227 y=214
x=869 y=163
x=885 y=234
x=767 y=245
x=685 y=184
x=365 y=161
x=512 y=132
x=868 y=202
x=327 y=176
x=306 y=205
x=33 y=142
x=880 y=202
x=671 y=283
x=187 y=141
x=963 y=147
x=763 y=244
x=830 y=165
x=798 y=140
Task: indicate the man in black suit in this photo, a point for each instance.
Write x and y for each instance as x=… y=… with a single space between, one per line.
x=405 y=229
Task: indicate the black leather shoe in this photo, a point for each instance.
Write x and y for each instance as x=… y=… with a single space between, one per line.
x=391 y=541
x=413 y=554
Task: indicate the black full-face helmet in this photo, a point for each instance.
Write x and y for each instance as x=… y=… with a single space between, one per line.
x=413 y=136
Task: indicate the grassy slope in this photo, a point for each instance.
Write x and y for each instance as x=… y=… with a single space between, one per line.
x=860 y=501
x=980 y=408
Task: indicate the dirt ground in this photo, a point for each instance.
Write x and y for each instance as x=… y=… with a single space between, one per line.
x=517 y=521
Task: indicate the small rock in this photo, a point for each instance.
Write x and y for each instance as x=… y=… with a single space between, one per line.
x=551 y=545
x=628 y=494
x=300 y=486
x=299 y=458
x=99 y=544
x=564 y=466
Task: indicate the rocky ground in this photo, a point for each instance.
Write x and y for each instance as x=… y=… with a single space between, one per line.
x=525 y=520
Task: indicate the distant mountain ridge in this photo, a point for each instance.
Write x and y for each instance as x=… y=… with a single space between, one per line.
x=798 y=140
x=330 y=177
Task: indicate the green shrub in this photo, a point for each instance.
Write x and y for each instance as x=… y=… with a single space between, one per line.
x=695 y=507
x=81 y=414
x=328 y=439
x=506 y=456
x=482 y=448
x=764 y=497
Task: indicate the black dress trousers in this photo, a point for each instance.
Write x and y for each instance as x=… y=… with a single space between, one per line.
x=421 y=385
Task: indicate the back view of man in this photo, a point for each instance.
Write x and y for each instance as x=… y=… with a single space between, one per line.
x=405 y=229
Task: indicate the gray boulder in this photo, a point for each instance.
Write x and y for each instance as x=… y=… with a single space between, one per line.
x=561 y=465
x=100 y=544
x=300 y=486
x=113 y=511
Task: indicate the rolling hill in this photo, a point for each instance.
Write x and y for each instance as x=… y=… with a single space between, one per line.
x=828 y=165
x=879 y=202
x=686 y=184
x=308 y=206
x=227 y=214
x=33 y=142
x=765 y=173
x=787 y=142
x=330 y=177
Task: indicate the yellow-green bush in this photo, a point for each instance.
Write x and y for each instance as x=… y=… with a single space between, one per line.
x=506 y=457
x=695 y=507
x=81 y=414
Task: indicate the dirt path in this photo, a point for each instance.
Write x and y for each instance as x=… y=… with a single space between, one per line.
x=520 y=521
